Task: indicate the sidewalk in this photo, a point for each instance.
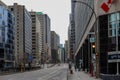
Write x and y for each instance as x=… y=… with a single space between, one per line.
x=80 y=75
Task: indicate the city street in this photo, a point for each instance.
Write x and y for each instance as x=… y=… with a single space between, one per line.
x=60 y=40
x=54 y=73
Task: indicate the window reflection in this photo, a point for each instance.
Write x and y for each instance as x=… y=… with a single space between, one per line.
x=112 y=18
x=113 y=24
x=118 y=16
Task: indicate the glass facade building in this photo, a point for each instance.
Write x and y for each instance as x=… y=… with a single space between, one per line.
x=104 y=27
x=82 y=16
x=6 y=38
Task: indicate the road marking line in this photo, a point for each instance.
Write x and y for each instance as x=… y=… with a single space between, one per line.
x=46 y=76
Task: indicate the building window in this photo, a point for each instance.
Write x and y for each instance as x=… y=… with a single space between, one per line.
x=113 y=24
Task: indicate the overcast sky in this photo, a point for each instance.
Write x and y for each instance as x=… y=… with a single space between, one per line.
x=57 y=10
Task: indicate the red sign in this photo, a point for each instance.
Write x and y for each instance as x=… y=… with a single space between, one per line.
x=105 y=7
x=109 y=1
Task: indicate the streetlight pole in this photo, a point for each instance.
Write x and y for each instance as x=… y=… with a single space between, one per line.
x=96 y=33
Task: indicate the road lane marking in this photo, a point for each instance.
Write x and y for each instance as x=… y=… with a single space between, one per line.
x=48 y=75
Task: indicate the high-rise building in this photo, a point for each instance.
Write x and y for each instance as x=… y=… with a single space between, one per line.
x=97 y=23
x=72 y=25
x=80 y=18
x=23 y=35
x=71 y=33
x=6 y=37
x=71 y=37
x=36 y=38
x=55 y=45
x=45 y=36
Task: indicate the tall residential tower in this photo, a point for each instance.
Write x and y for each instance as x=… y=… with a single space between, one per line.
x=36 y=38
x=45 y=36
x=23 y=34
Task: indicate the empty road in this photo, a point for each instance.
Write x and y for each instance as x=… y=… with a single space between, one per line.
x=54 y=73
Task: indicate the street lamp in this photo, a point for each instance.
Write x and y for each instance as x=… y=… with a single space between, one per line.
x=93 y=46
x=96 y=34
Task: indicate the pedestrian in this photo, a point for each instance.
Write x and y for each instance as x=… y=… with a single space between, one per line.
x=70 y=65
x=70 y=68
x=75 y=66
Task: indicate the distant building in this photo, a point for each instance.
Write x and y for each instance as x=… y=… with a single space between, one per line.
x=61 y=53
x=6 y=37
x=71 y=33
x=66 y=50
x=36 y=38
x=54 y=46
x=71 y=37
x=45 y=36
x=23 y=34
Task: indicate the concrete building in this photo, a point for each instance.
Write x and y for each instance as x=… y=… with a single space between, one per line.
x=109 y=48
x=99 y=27
x=71 y=37
x=6 y=37
x=69 y=31
x=36 y=39
x=72 y=30
x=45 y=36
x=23 y=35
x=55 y=45
x=66 y=50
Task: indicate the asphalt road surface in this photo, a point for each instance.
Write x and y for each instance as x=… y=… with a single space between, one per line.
x=54 y=73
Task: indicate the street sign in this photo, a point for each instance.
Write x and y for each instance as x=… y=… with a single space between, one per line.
x=114 y=56
x=110 y=1
x=105 y=7
x=92 y=39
